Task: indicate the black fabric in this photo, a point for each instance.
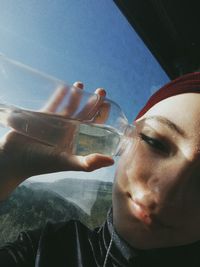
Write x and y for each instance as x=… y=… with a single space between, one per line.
x=73 y=244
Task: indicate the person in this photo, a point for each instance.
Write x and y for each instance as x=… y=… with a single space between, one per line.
x=155 y=214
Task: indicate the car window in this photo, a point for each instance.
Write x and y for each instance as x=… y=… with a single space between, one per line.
x=90 y=41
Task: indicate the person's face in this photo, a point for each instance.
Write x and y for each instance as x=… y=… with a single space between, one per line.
x=156 y=194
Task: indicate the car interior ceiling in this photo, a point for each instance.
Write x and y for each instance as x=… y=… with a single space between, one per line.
x=169 y=29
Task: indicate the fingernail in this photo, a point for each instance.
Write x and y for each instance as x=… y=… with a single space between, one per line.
x=78 y=84
x=100 y=91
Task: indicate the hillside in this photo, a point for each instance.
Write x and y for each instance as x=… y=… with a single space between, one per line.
x=82 y=192
x=33 y=204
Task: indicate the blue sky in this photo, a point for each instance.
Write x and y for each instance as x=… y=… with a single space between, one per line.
x=87 y=40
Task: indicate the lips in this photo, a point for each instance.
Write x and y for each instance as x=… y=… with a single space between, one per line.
x=140 y=212
x=146 y=216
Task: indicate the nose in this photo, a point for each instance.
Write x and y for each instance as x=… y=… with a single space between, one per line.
x=154 y=184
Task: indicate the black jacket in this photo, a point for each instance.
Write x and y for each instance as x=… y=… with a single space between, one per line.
x=71 y=244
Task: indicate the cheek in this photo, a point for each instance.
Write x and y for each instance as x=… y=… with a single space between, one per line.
x=135 y=164
x=142 y=168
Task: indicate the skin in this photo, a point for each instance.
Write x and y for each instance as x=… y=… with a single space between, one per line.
x=22 y=157
x=156 y=194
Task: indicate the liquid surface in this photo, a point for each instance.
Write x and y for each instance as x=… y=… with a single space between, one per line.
x=96 y=139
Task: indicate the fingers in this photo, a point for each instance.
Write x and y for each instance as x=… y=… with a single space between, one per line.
x=63 y=96
x=74 y=99
x=64 y=162
x=103 y=113
x=55 y=100
x=96 y=161
x=67 y=101
x=101 y=92
x=78 y=84
x=91 y=108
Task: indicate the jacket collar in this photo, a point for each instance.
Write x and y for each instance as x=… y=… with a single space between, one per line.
x=124 y=255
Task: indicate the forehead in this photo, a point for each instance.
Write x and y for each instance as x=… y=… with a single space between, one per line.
x=187 y=104
x=183 y=110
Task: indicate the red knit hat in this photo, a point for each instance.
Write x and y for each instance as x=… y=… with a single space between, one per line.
x=188 y=83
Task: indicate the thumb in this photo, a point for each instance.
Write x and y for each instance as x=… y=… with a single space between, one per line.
x=96 y=161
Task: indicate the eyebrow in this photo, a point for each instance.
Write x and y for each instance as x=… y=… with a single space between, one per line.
x=172 y=126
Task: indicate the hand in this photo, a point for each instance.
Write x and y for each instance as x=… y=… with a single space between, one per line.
x=60 y=131
x=22 y=157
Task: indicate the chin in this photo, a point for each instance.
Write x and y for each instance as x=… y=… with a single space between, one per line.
x=139 y=227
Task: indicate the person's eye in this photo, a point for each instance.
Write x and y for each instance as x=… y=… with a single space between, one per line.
x=154 y=143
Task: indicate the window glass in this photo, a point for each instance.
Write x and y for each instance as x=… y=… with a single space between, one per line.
x=82 y=40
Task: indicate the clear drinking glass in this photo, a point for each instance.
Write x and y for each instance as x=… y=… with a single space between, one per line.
x=56 y=114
